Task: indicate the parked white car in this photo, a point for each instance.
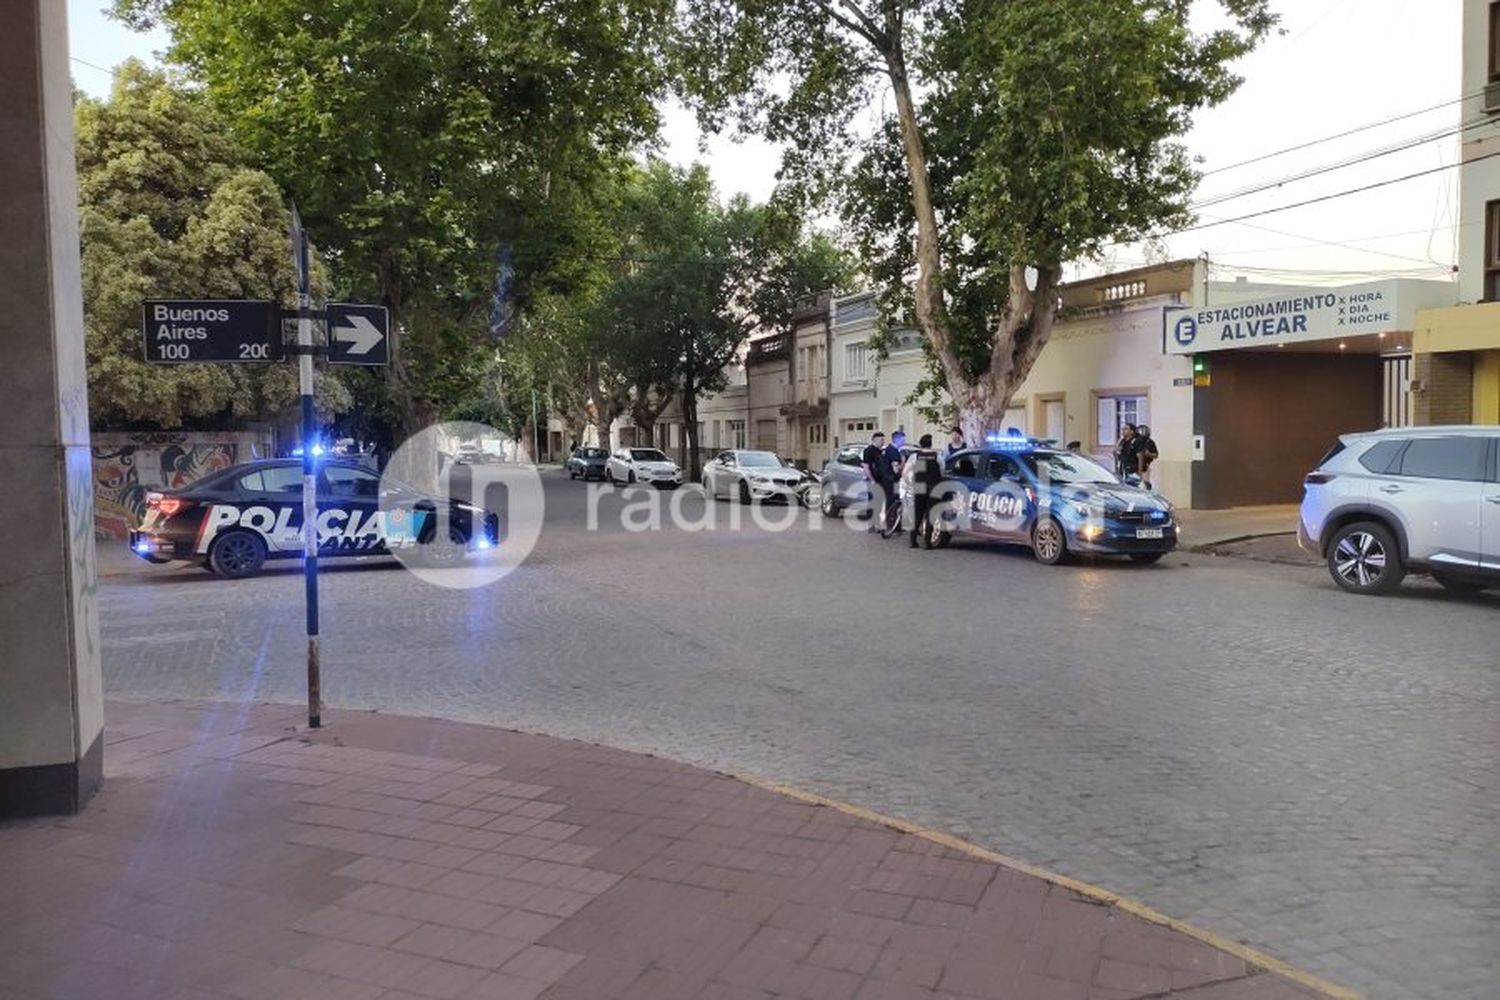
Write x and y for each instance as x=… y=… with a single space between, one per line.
x=642 y=465
x=751 y=475
x=1423 y=498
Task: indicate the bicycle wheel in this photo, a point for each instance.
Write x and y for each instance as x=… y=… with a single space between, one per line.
x=892 y=522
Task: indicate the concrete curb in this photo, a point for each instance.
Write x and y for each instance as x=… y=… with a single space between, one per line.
x=1250 y=956
x=1207 y=548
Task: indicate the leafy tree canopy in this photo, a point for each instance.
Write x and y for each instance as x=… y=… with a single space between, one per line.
x=170 y=208
x=1012 y=136
x=419 y=135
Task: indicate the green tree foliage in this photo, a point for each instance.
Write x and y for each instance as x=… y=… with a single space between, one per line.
x=170 y=208
x=1019 y=135
x=704 y=276
x=419 y=135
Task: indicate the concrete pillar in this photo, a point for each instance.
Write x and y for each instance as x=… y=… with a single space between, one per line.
x=51 y=697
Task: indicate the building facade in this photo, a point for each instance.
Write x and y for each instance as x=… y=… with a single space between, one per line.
x=1456 y=351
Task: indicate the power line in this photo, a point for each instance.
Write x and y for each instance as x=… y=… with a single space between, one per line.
x=1344 y=245
x=1328 y=197
x=85 y=62
x=1342 y=135
x=1350 y=162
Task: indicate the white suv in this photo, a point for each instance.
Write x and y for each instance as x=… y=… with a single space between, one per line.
x=1388 y=501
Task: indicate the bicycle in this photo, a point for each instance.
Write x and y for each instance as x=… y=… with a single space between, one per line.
x=893 y=514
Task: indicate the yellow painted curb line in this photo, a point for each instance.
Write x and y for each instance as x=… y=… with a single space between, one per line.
x=1134 y=907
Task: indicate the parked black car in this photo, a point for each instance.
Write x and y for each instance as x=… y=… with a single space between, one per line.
x=234 y=520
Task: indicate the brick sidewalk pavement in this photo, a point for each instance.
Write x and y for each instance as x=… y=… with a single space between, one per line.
x=231 y=854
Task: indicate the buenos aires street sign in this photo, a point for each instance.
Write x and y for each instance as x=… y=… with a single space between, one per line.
x=185 y=331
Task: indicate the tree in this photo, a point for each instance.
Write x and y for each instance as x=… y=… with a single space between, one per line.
x=706 y=275
x=420 y=135
x=1024 y=134
x=169 y=207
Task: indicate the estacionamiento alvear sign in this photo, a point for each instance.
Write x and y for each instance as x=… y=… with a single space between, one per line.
x=1306 y=315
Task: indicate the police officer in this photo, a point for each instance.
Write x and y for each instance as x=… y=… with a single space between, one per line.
x=922 y=472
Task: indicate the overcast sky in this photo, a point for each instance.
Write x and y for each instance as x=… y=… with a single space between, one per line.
x=1340 y=65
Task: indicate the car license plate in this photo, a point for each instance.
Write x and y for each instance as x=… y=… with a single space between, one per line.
x=1148 y=533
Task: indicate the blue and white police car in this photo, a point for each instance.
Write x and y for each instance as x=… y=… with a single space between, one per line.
x=1028 y=492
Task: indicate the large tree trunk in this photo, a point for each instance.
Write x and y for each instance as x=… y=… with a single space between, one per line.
x=932 y=313
x=1027 y=321
x=690 y=425
x=601 y=428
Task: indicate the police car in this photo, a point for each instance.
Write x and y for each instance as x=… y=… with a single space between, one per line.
x=1028 y=492
x=236 y=519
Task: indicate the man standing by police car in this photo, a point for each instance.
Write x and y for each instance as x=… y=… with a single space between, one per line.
x=921 y=473
x=880 y=473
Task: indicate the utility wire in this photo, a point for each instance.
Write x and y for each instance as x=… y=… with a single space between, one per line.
x=85 y=62
x=1343 y=164
x=1341 y=135
x=1328 y=197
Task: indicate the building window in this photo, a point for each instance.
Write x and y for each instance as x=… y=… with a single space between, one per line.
x=1495 y=40
x=736 y=430
x=817 y=433
x=1114 y=413
x=855 y=362
x=1492 y=251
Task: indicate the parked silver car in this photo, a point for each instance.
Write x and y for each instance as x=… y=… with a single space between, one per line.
x=751 y=475
x=1385 y=502
x=844 y=483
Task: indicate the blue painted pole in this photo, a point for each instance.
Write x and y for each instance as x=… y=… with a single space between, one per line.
x=309 y=470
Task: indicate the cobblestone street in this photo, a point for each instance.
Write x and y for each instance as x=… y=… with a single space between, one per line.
x=1235 y=743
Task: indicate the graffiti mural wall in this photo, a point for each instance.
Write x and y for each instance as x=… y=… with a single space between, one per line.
x=129 y=465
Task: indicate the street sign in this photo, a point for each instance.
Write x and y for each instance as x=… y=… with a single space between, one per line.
x=358 y=334
x=185 y=331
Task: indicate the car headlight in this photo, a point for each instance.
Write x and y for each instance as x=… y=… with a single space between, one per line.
x=1085 y=509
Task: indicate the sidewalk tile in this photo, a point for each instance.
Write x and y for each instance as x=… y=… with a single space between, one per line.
x=353 y=925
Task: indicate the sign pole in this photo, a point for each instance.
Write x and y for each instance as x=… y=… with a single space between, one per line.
x=309 y=469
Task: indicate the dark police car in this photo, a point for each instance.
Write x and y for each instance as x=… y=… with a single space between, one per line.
x=236 y=519
x=1025 y=491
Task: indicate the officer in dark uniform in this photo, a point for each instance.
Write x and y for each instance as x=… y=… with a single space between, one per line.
x=923 y=473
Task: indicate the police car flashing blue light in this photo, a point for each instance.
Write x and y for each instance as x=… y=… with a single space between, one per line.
x=1025 y=491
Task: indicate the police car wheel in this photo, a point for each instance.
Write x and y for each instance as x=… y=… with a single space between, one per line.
x=1048 y=543
x=941 y=539
x=828 y=505
x=449 y=552
x=235 y=555
x=744 y=492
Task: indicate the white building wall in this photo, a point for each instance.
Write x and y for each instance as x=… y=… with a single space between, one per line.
x=1109 y=357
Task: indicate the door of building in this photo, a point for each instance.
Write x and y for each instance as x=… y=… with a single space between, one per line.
x=1055 y=421
x=765 y=435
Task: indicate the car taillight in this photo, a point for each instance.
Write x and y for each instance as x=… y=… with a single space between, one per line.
x=1318 y=478
x=167 y=505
